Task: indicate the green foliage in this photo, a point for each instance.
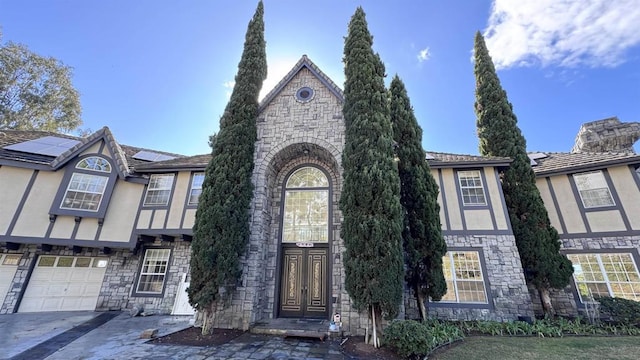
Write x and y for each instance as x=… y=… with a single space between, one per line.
x=424 y=245
x=221 y=230
x=557 y=327
x=499 y=135
x=36 y=92
x=370 y=200
x=410 y=338
x=621 y=311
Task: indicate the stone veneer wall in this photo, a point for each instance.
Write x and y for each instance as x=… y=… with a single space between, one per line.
x=564 y=301
x=120 y=275
x=506 y=288
x=289 y=132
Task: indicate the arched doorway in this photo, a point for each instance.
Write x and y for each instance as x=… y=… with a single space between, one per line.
x=304 y=244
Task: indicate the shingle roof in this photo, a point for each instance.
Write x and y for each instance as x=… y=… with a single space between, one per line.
x=440 y=160
x=195 y=162
x=123 y=153
x=561 y=163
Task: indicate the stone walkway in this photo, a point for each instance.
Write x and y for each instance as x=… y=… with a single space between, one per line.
x=119 y=338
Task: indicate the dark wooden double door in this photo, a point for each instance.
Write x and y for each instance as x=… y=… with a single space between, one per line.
x=304 y=282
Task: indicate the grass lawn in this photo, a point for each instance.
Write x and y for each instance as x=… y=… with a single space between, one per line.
x=524 y=348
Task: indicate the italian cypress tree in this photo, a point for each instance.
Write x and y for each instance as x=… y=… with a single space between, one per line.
x=424 y=245
x=370 y=201
x=538 y=242
x=221 y=229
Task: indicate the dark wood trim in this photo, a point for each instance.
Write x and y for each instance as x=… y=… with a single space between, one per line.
x=23 y=200
x=556 y=205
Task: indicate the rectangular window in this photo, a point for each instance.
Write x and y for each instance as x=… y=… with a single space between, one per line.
x=465 y=281
x=196 y=188
x=159 y=190
x=153 y=271
x=593 y=189
x=84 y=192
x=611 y=274
x=471 y=188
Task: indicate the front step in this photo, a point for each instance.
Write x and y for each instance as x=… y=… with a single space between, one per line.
x=302 y=328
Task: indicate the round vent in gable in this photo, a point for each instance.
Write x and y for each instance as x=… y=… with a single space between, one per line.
x=304 y=94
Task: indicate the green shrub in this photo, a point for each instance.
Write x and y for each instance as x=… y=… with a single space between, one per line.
x=408 y=338
x=621 y=311
x=414 y=339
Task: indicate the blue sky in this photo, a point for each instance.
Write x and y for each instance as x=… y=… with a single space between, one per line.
x=159 y=73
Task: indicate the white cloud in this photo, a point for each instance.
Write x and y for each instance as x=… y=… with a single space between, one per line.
x=424 y=55
x=229 y=86
x=565 y=33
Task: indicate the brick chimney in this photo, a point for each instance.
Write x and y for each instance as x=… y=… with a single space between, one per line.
x=607 y=135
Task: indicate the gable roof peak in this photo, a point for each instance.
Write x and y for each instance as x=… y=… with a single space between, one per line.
x=304 y=62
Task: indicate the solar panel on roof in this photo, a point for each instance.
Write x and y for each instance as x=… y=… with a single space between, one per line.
x=48 y=145
x=151 y=156
x=535 y=156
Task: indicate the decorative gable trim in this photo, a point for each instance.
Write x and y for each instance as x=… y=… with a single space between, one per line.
x=105 y=135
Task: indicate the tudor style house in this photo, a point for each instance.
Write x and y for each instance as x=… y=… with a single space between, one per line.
x=592 y=195
x=91 y=224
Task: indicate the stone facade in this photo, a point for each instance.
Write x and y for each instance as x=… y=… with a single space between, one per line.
x=123 y=270
x=120 y=276
x=564 y=301
x=508 y=297
x=607 y=135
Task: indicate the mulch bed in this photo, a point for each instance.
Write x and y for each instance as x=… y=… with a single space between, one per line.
x=193 y=337
x=356 y=348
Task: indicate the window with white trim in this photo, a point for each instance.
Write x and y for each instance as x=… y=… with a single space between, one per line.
x=153 y=272
x=84 y=192
x=159 y=190
x=471 y=188
x=593 y=189
x=606 y=274
x=463 y=274
x=196 y=188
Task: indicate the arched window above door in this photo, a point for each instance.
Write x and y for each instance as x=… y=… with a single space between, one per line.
x=306 y=207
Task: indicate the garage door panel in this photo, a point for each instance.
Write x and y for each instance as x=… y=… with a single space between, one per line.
x=65 y=288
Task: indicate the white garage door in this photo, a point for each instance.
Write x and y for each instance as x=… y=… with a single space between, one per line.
x=8 y=267
x=64 y=283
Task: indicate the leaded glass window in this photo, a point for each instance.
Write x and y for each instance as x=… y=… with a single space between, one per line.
x=609 y=274
x=463 y=273
x=306 y=207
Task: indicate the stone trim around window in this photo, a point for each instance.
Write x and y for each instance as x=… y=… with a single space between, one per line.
x=151 y=278
x=86 y=188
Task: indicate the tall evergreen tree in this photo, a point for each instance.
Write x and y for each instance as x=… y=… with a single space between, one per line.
x=424 y=245
x=538 y=242
x=370 y=201
x=221 y=229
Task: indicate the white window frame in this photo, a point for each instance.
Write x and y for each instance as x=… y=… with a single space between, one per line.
x=82 y=183
x=155 y=264
x=607 y=280
x=453 y=279
x=195 y=187
x=94 y=163
x=158 y=189
x=594 y=193
x=476 y=177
